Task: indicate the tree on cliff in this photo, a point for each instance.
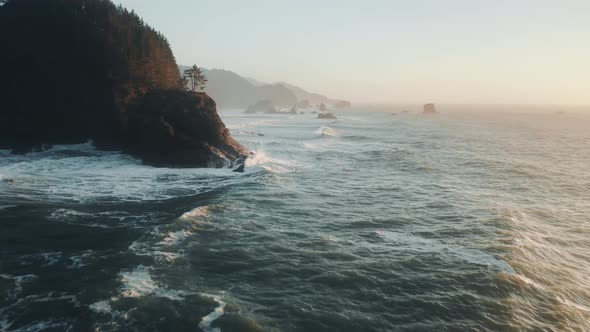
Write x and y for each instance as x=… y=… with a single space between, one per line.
x=193 y=79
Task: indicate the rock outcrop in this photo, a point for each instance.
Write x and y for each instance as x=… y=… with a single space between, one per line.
x=341 y=104
x=429 y=108
x=179 y=129
x=325 y=115
x=87 y=69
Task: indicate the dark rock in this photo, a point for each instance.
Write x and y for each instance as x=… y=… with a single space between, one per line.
x=180 y=129
x=322 y=107
x=107 y=76
x=241 y=166
x=326 y=116
x=301 y=113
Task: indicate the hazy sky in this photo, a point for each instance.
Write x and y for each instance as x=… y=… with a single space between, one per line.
x=445 y=51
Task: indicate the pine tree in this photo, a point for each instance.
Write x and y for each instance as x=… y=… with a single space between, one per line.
x=194 y=79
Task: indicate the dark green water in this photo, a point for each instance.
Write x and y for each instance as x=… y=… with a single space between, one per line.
x=455 y=222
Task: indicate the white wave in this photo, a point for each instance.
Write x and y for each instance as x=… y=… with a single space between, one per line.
x=100 y=176
x=200 y=212
x=101 y=307
x=259 y=159
x=326 y=131
x=88 y=146
x=173 y=238
x=139 y=283
x=206 y=321
x=149 y=246
x=81 y=260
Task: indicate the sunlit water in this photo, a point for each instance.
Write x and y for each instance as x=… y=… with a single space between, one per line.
x=372 y=222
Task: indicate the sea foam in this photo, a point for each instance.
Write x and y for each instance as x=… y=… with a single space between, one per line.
x=206 y=321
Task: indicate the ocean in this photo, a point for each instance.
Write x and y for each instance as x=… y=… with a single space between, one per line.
x=466 y=220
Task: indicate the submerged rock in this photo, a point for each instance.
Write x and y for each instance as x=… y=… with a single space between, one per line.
x=326 y=116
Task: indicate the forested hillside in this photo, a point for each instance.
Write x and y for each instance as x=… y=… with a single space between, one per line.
x=65 y=63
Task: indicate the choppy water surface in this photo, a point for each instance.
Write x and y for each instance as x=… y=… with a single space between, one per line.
x=372 y=222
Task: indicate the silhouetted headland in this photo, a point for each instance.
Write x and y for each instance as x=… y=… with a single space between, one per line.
x=77 y=70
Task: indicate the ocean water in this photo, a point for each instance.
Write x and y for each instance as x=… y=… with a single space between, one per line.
x=465 y=220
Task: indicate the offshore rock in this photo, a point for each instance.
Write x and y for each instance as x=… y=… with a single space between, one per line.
x=326 y=116
x=429 y=108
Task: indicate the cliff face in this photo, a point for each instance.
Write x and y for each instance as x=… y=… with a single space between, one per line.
x=178 y=129
x=73 y=70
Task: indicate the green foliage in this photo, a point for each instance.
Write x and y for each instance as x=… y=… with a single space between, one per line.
x=193 y=79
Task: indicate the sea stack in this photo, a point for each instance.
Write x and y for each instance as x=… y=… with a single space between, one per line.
x=429 y=109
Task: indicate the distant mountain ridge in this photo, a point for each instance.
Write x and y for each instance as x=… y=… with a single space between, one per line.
x=230 y=90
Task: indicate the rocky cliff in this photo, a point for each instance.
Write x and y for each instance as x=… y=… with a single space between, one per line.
x=178 y=129
x=74 y=70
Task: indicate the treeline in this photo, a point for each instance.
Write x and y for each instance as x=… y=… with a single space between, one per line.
x=65 y=63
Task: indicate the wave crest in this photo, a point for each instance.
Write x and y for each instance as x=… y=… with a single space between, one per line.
x=326 y=131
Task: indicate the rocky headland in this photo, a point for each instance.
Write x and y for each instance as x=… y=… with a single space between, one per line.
x=88 y=69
